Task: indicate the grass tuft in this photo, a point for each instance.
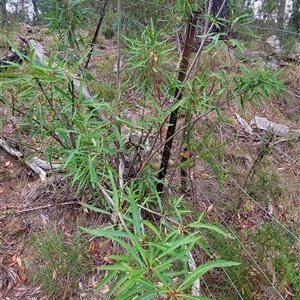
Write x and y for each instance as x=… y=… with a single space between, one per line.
x=61 y=263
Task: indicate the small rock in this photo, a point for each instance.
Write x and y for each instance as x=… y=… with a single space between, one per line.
x=272 y=66
x=264 y=124
x=297 y=50
x=251 y=55
x=274 y=42
x=15 y=226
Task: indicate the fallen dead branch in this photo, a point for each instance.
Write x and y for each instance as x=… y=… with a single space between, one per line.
x=47 y=206
x=43 y=59
x=35 y=164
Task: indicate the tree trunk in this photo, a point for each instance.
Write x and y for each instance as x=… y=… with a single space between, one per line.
x=190 y=34
x=3 y=10
x=96 y=32
x=223 y=14
x=36 y=11
x=295 y=18
x=281 y=13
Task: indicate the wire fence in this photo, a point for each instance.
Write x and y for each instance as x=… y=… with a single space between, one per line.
x=228 y=227
x=234 y=182
x=226 y=224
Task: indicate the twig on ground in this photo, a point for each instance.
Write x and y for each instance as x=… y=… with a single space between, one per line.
x=159 y=214
x=45 y=165
x=196 y=284
x=4 y=145
x=37 y=170
x=35 y=164
x=47 y=206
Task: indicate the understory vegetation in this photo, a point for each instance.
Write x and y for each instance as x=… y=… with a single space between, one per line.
x=209 y=210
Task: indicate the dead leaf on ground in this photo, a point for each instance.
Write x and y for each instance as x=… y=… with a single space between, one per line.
x=8 y=164
x=69 y=235
x=92 y=246
x=104 y=290
x=186 y=154
x=209 y=208
x=107 y=260
x=289 y=292
x=104 y=245
x=54 y=274
x=19 y=261
x=94 y=282
x=22 y=274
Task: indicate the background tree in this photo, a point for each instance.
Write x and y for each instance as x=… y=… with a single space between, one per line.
x=271 y=13
x=36 y=10
x=219 y=8
x=3 y=10
x=281 y=5
x=295 y=17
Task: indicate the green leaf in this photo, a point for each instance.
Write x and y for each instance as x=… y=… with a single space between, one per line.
x=40 y=116
x=16 y=50
x=137 y=248
x=131 y=284
x=114 y=235
x=198 y=272
x=115 y=191
x=144 y=289
x=94 y=208
x=154 y=70
x=135 y=213
x=116 y=267
x=153 y=228
x=121 y=278
x=93 y=174
x=211 y=227
x=176 y=244
x=108 y=278
x=176 y=105
x=186 y=296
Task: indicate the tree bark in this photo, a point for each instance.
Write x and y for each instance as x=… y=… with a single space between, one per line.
x=3 y=10
x=190 y=33
x=281 y=13
x=295 y=18
x=36 y=10
x=216 y=11
x=96 y=32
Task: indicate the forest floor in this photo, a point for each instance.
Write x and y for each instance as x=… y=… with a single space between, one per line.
x=50 y=209
x=32 y=213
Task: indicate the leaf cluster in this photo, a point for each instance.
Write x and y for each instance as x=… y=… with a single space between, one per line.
x=155 y=257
